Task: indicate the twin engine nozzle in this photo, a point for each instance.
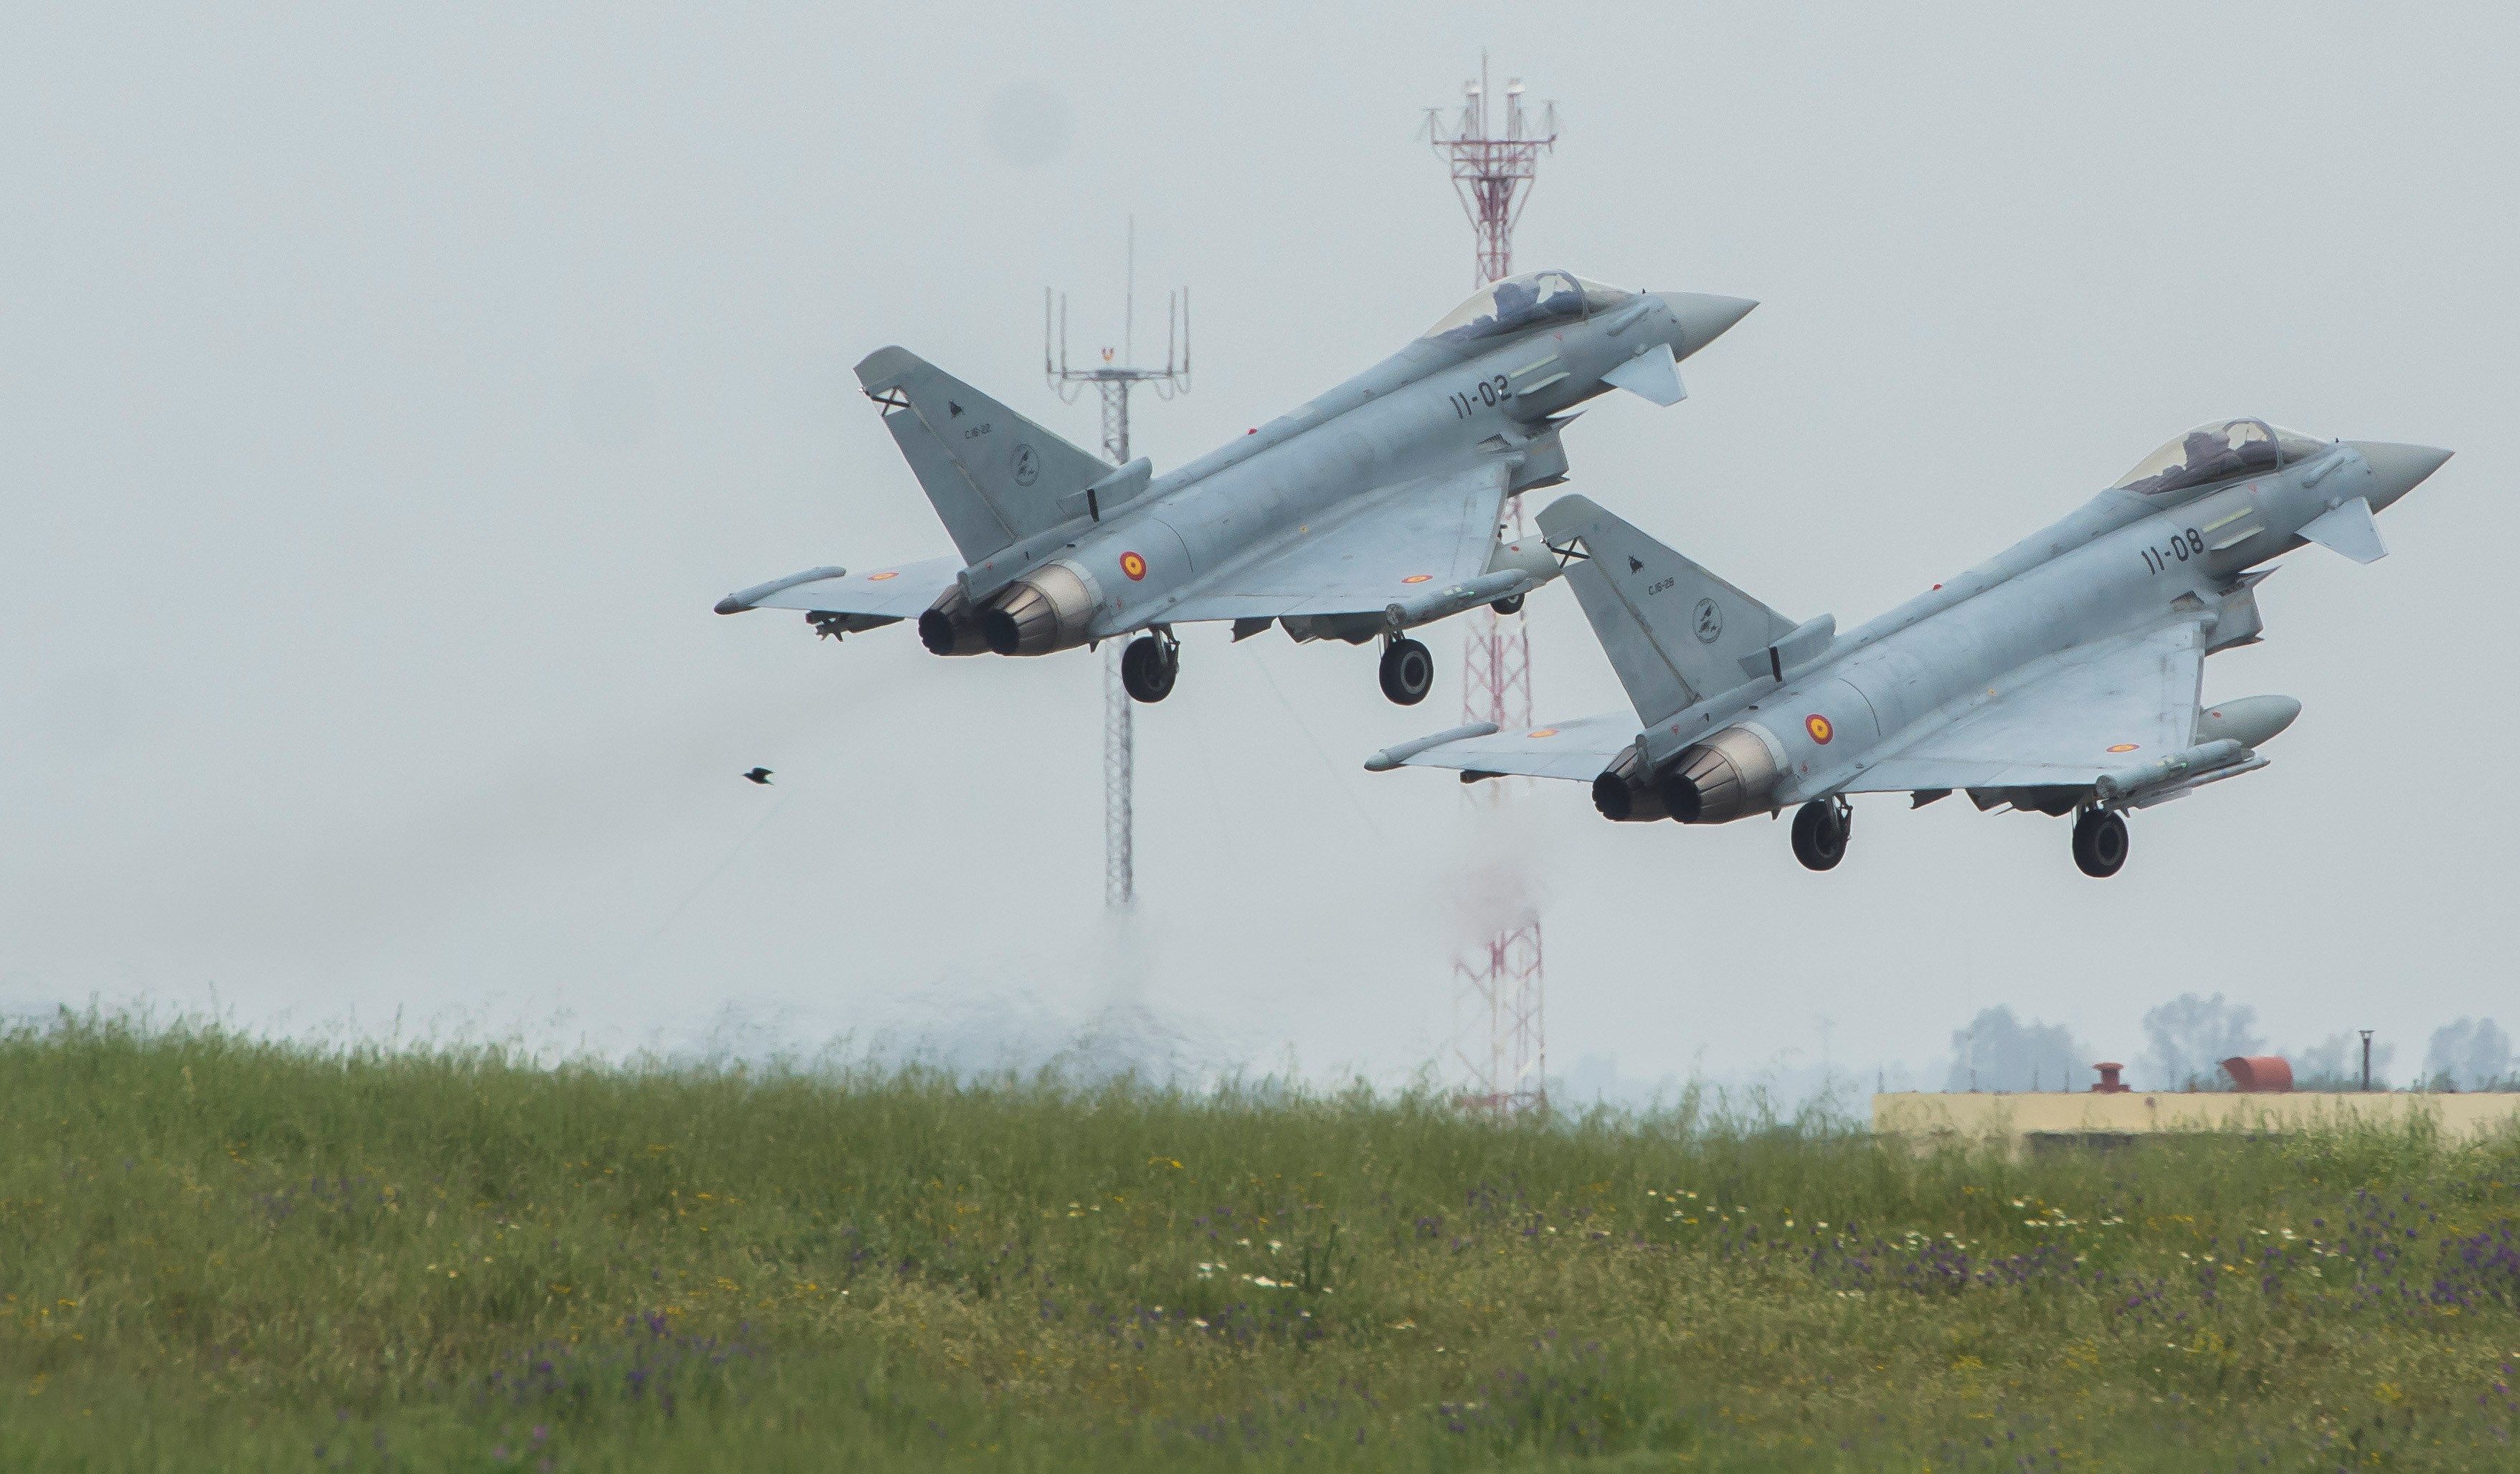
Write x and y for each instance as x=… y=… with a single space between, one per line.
x=1723 y=777
x=1047 y=610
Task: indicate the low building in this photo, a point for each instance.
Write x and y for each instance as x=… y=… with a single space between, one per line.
x=2035 y=1119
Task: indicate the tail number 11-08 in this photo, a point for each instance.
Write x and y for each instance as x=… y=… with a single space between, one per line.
x=2183 y=547
x=1489 y=394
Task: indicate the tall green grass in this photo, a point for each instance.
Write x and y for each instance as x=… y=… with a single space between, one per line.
x=223 y=1253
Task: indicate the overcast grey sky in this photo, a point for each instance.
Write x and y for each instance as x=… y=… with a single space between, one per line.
x=386 y=392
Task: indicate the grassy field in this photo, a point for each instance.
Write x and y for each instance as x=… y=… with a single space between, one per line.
x=218 y=1253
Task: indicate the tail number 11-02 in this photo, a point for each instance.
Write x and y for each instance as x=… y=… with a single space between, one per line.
x=1490 y=394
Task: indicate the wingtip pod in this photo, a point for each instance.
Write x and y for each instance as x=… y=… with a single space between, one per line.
x=746 y=598
x=1399 y=753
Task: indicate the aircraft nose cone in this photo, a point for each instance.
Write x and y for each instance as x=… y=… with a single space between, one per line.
x=2396 y=469
x=1702 y=317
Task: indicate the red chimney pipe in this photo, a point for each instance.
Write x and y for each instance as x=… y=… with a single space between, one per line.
x=2258 y=1072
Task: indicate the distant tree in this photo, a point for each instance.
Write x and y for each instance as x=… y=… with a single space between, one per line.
x=2469 y=1054
x=2337 y=1064
x=2189 y=1037
x=2000 y=1052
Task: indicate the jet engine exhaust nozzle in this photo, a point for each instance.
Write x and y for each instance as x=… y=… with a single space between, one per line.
x=1623 y=795
x=1045 y=610
x=947 y=628
x=1720 y=779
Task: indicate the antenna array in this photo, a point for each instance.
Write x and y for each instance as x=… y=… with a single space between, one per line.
x=1499 y=1036
x=1113 y=378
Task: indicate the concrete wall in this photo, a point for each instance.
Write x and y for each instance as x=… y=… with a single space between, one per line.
x=2024 y=1118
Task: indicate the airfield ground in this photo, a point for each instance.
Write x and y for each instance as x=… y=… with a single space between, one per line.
x=216 y=1253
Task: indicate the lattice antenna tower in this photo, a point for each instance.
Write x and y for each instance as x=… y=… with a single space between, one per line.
x=1114 y=378
x=1499 y=1037
x=1493 y=170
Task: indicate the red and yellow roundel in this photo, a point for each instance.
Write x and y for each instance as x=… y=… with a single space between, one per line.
x=1819 y=728
x=2123 y=747
x=876 y=578
x=1133 y=566
x=1416 y=578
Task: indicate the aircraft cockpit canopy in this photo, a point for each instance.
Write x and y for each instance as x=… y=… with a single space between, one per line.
x=2218 y=452
x=1523 y=301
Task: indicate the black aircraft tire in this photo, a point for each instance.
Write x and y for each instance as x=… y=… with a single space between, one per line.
x=1408 y=672
x=1510 y=604
x=1148 y=670
x=1820 y=834
x=2099 y=845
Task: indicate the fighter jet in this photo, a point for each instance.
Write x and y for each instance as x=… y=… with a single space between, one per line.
x=1369 y=512
x=2062 y=676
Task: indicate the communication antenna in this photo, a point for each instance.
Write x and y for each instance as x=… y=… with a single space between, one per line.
x=1492 y=171
x=1495 y=157
x=1114 y=378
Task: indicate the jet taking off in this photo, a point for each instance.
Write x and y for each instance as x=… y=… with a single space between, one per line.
x=1365 y=514
x=2060 y=678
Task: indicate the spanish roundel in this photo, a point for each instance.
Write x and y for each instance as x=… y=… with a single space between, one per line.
x=1133 y=566
x=1819 y=728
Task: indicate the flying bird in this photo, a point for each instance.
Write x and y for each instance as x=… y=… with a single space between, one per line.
x=759 y=776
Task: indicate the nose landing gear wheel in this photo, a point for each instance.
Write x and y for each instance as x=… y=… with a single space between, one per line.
x=1148 y=667
x=2099 y=844
x=1820 y=828
x=1408 y=672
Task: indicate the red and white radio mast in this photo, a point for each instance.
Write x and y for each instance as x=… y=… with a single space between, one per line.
x=1497 y=1034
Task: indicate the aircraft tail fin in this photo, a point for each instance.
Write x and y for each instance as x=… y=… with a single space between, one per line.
x=1675 y=633
x=994 y=476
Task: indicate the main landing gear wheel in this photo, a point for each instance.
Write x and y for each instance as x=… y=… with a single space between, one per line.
x=1149 y=666
x=1820 y=828
x=1408 y=672
x=1509 y=604
x=2099 y=844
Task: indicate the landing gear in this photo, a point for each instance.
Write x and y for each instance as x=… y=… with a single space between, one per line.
x=2099 y=844
x=1408 y=671
x=1149 y=666
x=1509 y=604
x=1820 y=828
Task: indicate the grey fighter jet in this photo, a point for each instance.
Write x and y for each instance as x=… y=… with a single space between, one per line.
x=1367 y=513
x=2060 y=678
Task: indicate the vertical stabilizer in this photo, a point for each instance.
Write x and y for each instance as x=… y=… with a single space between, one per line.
x=994 y=476
x=1673 y=632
